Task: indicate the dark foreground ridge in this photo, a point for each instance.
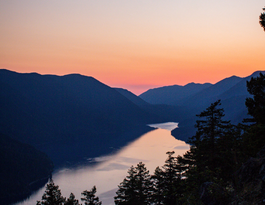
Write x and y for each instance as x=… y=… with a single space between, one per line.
x=23 y=170
x=68 y=117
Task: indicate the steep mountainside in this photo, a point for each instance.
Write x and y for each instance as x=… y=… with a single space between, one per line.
x=23 y=169
x=75 y=117
x=212 y=93
x=232 y=91
x=68 y=117
x=132 y=97
x=165 y=112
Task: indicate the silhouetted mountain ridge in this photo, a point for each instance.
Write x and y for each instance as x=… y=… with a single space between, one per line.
x=172 y=95
x=232 y=91
x=164 y=112
x=23 y=170
x=132 y=97
x=68 y=117
x=75 y=117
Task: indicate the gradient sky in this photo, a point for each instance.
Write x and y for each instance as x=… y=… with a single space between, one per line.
x=134 y=44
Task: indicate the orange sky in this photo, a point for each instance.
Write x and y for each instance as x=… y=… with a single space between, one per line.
x=133 y=44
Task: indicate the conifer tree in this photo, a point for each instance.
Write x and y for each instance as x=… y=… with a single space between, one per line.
x=90 y=197
x=52 y=195
x=231 y=151
x=143 y=183
x=135 y=188
x=126 y=193
x=256 y=104
x=71 y=200
x=167 y=181
x=208 y=154
x=262 y=19
x=157 y=191
x=171 y=179
x=254 y=138
x=210 y=128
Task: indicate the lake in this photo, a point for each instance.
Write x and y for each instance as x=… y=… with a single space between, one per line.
x=109 y=171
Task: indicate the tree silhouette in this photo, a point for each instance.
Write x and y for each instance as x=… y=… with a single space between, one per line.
x=211 y=154
x=90 y=198
x=126 y=193
x=254 y=138
x=210 y=128
x=256 y=105
x=71 y=200
x=157 y=196
x=135 y=188
x=171 y=179
x=262 y=19
x=52 y=195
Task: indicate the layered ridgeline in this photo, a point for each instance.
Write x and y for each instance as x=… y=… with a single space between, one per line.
x=192 y=98
x=168 y=113
x=71 y=117
x=74 y=117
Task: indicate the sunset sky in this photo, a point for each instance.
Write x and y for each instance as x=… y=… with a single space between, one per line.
x=133 y=44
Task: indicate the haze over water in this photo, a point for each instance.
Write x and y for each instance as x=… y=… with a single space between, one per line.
x=110 y=170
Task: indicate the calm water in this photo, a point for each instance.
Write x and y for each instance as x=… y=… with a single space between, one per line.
x=150 y=149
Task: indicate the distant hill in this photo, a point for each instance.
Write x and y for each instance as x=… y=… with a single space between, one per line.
x=74 y=117
x=69 y=117
x=172 y=95
x=232 y=91
x=132 y=97
x=211 y=93
x=164 y=112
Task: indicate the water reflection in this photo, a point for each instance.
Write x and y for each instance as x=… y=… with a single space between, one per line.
x=166 y=126
x=150 y=149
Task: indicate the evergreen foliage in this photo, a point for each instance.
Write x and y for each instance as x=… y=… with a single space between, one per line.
x=204 y=161
x=90 y=197
x=219 y=149
x=231 y=152
x=262 y=19
x=211 y=128
x=254 y=138
x=256 y=105
x=207 y=173
x=71 y=200
x=157 y=196
x=52 y=195
x=171 y=179
x=135 y=188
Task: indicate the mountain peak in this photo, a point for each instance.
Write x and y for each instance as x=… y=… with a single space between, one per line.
x=192 y=84
x=256 y=73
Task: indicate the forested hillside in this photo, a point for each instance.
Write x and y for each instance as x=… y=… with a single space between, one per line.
x=23 y=169
x=68 y=117
x=225 y=164
x=232 y=92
